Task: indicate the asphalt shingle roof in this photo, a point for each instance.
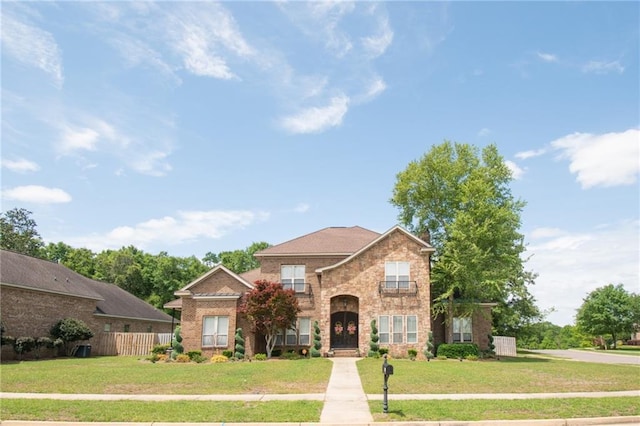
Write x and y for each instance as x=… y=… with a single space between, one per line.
x=332 y=240
x=42 y=275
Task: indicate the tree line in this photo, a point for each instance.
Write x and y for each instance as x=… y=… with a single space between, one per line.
x=153 y=278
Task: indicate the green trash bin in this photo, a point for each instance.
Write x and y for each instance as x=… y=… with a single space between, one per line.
x=84 y=351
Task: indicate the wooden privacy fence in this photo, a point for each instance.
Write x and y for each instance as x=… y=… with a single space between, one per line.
x=125 y=343
x=504 y=346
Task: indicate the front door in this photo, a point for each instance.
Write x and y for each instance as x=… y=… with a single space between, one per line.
x=344 y=330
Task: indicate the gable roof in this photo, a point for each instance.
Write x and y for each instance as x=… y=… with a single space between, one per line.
x=328 y=241
x=218 y=268
x=427 y=247
x=22 y=271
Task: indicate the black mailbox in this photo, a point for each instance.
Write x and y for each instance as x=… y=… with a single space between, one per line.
x=387 y=369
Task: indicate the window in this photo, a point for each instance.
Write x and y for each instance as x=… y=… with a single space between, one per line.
x=304 y=331
x=383 y=329
x=126 y=328
x=292 y=277
x=107 y=327
x=412 y=329
x=462 y=329
x=396 y=275
x=149 y=328
x=296 y=336
x=398 y=329
x=215 y=332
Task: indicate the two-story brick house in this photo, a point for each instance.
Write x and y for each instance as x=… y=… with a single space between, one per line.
x=344 y=278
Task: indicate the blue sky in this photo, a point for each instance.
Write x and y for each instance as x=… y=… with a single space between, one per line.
x=194 y=127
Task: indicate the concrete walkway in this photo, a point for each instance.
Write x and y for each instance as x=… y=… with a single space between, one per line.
x=345 y=401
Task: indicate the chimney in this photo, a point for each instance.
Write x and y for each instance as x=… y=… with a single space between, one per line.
x=426 y=236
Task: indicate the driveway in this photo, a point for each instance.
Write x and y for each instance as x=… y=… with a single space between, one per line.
x=588 y=356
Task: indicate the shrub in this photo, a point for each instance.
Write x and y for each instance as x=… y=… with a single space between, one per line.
x=457 y=350
x=373 y=343
x=317 y=341
x=163 y=357
x=199 y=359
x=228 y=353
x=492 y=348
x=8 y=340
x=71 y=330
x=183 y=358
x=239 y=347
x=177 y=343
x=160 y=349
x=217 y=359
x=442 y=357
x=383 y=351
x=193 y=354
x=471 y=357
x=412 y=353
x=276 y=352
x=44 y=342
x=429 y=347
x=260 y=357
x=291 y=355
x=24 y=344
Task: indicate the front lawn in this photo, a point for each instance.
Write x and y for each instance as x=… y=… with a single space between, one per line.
x=130 y=375
x=509 y=375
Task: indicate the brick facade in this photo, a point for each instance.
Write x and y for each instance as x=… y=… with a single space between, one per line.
x=335 y=285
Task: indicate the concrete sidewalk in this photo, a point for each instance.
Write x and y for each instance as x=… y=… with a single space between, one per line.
x=345 y=403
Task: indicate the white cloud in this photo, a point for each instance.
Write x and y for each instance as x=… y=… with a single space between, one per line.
x=571 y=265
x=375 y=88
x=318 y=119
x=185 y=227
x=32 y=46
x=530 y=154
x=602 y=67
x=73 y=139
x=611 y=159
x=36 y=194
x=376 y=45
x=547 y=57
x=302 y=208
x=20 y=166
x=484 y=132
x=202 y=34
x=516 y=171
x=137 y=53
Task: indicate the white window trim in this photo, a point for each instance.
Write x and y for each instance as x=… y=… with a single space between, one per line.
x=462 y=326
x=387 y=334
x=282 y=337
x=297 y=280
x=215 y=337
x=397 y=281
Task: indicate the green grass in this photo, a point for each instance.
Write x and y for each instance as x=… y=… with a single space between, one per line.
x=512 y=375
x=166 y=411
x=129 y=375
x=476 y=410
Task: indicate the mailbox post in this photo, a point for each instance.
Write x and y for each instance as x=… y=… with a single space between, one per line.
x=387 y=370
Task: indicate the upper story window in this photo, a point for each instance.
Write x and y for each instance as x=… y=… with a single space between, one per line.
x=292 y=277
x=396 y=275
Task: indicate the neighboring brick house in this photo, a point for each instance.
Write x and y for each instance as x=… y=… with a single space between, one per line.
x=343 y=278
x=36 y=293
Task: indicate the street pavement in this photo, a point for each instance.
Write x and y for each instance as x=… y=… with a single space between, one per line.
x=345 y=403
x=590 y=356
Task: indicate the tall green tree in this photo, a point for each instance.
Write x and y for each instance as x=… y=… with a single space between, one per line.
x=18 y=232
x=271 y=310
x=238 y=261
x=609 y=310
x=461 y=197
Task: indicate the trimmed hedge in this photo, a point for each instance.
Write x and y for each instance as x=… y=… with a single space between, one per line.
x=458 y=350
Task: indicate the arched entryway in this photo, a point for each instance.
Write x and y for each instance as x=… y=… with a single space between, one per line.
x=344 y=322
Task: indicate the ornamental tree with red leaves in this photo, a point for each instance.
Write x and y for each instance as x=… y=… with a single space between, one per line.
x=271 y=309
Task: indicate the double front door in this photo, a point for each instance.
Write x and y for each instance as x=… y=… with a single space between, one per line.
x=344 y=330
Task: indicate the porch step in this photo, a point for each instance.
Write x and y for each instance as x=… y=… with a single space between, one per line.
x=345 y=353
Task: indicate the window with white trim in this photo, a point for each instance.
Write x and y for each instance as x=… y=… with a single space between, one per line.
x=298 y=335
x=462 y=329
x=215 y=332
x=397 y=329
x=396 y=275
x=292 y=277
